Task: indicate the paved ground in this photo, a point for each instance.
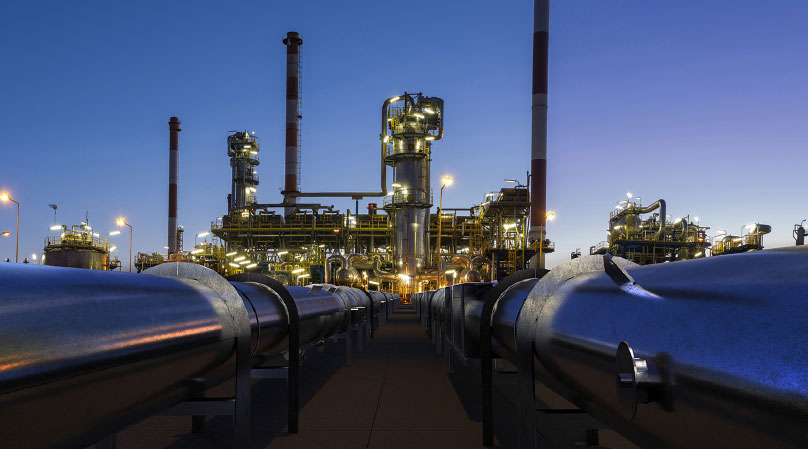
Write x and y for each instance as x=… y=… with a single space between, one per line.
x=395 y=394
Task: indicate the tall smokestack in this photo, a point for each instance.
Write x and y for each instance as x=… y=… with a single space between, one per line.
x=293 y=43
x=538 y=147
x=173 y=175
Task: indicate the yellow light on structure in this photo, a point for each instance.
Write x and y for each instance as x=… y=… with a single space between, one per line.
x=373 y=283
x=386 y=139
x=394 y=99
x=196 y=251
x=404 y=277
x=113 y=248
x=447 y=181
x=252 y=265
x=4 y=197
x=629 y=195
x=239 y=258
x=395 y=184
x=429 y=110
x=298 y=270
x=231 y=253
x=451 y=271
x=550 y=215
x=203 y=234
x=120 y=221
x=114 y=233
x=303 y=276
x=244 y=262
x=419 y=115
x=283 y=253
x=55 y=227
x=321 y=245
x=430 y=137
x=234 y=265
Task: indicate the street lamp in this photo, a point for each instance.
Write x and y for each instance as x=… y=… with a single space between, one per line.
x=5 y=197
x=122 y=222
x=549 y=217
x=446 y=181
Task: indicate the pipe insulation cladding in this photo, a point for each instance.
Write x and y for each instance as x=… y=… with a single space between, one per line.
x=698 y=353
x=86 y=353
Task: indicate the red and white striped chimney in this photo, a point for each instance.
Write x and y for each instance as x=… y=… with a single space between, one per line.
x=173 y=176
x=293 y=43
x=538 y=146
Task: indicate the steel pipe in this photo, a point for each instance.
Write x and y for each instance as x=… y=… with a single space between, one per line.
x=86 y=353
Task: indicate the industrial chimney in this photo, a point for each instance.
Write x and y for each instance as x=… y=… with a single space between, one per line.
x=173 y=175
x=538 y=147
x=293 y=43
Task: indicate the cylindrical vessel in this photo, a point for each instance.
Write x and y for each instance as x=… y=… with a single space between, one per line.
x=717 y=347
x=293 y=43
x=173 y=177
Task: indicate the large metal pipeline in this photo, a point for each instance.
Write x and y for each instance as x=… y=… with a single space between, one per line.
x=86 y=353
x=710 y=345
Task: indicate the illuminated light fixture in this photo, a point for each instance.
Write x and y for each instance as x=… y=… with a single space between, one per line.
x=113 y=248
x=395 y=184
x=550 y=215
x=252 y=265
x=394 y=99
x=430 y=137
x=120 y=222
x=629 y=195
x=373 y=283
x=4 y=197
x=447 y=180
x=418 y=115
x=428 y=110
x=321 y=246
x=253 y=153
x=386 y=139
x=512 y=180
x=298 y=270
x=336 y=230
x=696 y=219
x=234 y=265
x=247 y=147
x=677 y=220
x=111 y=232
x=283 y=253
x=699 y=254
x=97 y=235
x=231 y=253
x=57 y=227
x=5 y=234
x=239 y=258
x=245 y=262
x=88 y=227
x=451 y=272
x=197 y=251
x=390 y=193
x=404 y=277
x=203 y=234
x=303 y=276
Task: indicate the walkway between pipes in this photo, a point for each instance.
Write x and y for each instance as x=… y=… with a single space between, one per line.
x=395 y=394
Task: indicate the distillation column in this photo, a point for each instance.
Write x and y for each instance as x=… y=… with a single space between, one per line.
x=411 y=123
x=293 y=43
x=242 y=147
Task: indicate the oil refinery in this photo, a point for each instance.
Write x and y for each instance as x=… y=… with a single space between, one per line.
x=398 y=322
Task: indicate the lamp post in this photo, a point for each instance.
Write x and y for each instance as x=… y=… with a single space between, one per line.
x=6 y=197
x=447 y=181
x=549 y=217
x=121 y=222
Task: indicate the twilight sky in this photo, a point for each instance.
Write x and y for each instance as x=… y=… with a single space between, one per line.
x=704 y=104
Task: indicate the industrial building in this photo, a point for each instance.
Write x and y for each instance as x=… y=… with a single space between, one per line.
x=302 y=325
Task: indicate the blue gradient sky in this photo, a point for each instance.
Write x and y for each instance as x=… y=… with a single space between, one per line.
x=701 y=103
